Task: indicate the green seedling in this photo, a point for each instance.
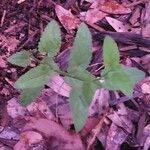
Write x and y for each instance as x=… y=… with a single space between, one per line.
x=114 y=76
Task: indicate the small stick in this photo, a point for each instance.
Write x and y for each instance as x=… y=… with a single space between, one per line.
x=3 y=17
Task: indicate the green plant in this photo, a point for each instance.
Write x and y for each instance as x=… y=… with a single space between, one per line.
x=113 y=77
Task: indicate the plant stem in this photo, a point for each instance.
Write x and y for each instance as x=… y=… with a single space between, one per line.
x=67 y=74
x=75 y=77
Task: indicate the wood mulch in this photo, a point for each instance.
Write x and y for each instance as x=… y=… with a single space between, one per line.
x=115 y=121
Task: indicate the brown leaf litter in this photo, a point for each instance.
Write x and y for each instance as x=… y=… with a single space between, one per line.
x=114 y=121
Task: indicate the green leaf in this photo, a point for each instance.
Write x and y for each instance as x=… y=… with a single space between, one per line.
x=36 y=77
x=110 y=54
x=81 y=53
x=80 y=99
x=87 y=87
x=79 y=109
x=122 y=79
x=134 y=74
x=118 y=80
x=86 y=84
x=50 y=62
x=50 y=40
x=88 y=90
x=28 y=95
x=20 y=58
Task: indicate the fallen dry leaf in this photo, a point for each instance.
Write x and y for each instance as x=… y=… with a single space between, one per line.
x=145 y=141
x=65 y=115
x=27 y=139
x=52 y=129
x=116 y=136
x=121 y=118
x=100 y=102
x=145 y=88
x=3 y=62
x=146 y=21
x=14 y=109
x=9 y=133
x=40 y=108
x=58 y=84
x=67 y=19
x=135 y=17
x=102 y=135
x=94 y=15
x=10 y=43
x=145 y=62
x=111 y=7
x=118 y=25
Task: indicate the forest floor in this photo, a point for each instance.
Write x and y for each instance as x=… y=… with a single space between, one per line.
x=115 y=121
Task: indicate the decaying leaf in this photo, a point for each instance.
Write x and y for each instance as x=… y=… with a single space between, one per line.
x=14 y=109
x=112 y=7
x=102 y=135
x=54 y=130
x=3 y=63
x=58 y=84
x=145 y=62
x=67 y=19
x=94 y=15
x=116 y=136
x=135 y=16
x=146 y=21
x=8 y=133
x=100 y=102
x=28 y=139
x=65 y=116
x=121 y=118
x=145 y=88
x=10 y=43
x=145 y=141
x=118 y=25
x=41 y=108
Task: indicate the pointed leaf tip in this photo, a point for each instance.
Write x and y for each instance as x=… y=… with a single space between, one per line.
x=110 y=53
x=50 y=40
x=81 y=53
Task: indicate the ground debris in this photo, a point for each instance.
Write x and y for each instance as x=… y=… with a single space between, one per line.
x=114 y=120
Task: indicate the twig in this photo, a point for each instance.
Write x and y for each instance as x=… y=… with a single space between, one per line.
x=3 y=17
